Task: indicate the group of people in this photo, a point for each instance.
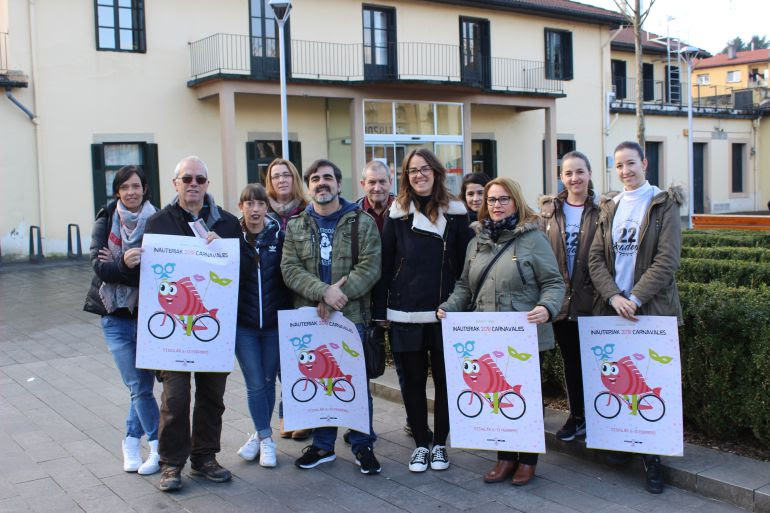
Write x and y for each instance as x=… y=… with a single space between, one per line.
x=395 y=263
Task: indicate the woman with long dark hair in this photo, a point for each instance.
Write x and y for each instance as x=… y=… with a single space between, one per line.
x=634 y=257
x=423 y=245
x=526 y=281
x=472 y=193
x=569 y=221
x=116 y=251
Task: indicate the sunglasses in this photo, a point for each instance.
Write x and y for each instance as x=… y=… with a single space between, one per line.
x=199 y=179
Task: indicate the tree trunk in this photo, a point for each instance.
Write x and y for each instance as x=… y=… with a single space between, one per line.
x=639 y=74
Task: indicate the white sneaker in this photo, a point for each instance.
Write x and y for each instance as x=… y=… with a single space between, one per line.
x=267 y=453
x=419 y=461
x=250 y=449
x=438 y=458
x=132 y=457
x=152 y=463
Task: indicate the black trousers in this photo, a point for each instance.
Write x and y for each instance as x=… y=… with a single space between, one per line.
x=175 y=441
x=568 y=340
x=414 y=368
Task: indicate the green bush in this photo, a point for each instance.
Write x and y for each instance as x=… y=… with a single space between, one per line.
x=733 y=273
x=735 y=238
x=727 y=253
x=725 y=346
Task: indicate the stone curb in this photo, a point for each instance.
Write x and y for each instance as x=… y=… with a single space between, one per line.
x=736 y=480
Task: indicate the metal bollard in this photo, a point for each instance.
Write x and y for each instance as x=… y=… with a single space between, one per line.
x=35 y=257
x=70 y=253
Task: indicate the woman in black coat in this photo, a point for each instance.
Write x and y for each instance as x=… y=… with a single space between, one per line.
x=423 y=247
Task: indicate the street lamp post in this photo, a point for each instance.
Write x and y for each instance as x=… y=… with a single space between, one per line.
x=688 y=53
x=282 y=9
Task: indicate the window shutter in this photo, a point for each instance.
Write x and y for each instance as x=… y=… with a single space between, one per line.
x=152 y=172
x=295 y=151
x=567 y=49
x=99 y=181
x=252 y=170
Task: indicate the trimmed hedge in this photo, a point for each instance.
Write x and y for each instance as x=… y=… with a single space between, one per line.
x=727 y=253
x=734 y=238
x=725 y=345
x=732 y=273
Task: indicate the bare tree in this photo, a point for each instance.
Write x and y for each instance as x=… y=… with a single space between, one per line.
x=636 y=15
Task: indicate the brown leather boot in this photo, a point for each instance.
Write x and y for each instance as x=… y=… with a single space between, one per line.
x=523 y=475
x=285 y=434
x=502 y=471
x=300 y=434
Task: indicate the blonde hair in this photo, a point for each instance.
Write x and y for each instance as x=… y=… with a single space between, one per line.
x=297 y=187
x=514 y=191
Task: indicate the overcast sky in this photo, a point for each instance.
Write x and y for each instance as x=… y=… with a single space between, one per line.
x=707 y=24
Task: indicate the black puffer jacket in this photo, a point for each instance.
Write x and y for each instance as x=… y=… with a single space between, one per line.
x=110 y=272
x=420 y=263
x=264 y=292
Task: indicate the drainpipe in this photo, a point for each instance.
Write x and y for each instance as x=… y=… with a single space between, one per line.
x=15 y=101
x=41 y=197
x=606 y=106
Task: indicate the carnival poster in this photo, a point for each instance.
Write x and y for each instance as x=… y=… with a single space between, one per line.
x=323 y=374
x=632 y=384
x=493 y=381
x=188 y=303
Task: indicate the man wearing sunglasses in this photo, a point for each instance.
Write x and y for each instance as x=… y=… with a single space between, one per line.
x=193 y=206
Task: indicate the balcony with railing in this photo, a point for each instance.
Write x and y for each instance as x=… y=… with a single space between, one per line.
x=9 y=77
x=659 y=96
x=237 y=56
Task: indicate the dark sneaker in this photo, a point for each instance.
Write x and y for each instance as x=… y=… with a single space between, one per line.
x=653 y=473
x=367 y=461
x=575 y=426
x=211 y=470
x=346 y=437
x=312 y=456
x=419 y=460
x=438 y=458
x=170 y=478
x=408 y=429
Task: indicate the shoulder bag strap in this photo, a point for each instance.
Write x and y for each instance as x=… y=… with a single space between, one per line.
x=354 y=238
x=486 y=270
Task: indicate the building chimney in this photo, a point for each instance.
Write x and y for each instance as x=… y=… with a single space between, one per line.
x=731 y=51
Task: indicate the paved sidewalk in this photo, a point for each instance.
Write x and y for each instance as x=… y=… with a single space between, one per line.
x=62 y=412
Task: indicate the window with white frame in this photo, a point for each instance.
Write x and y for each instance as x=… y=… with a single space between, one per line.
x=703 y=79
x=733 y=76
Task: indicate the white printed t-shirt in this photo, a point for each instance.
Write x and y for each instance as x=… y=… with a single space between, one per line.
x=572 y=217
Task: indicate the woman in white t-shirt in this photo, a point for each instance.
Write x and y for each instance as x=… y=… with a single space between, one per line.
x=635 y=254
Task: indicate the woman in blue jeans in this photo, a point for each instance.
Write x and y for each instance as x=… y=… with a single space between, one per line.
x=256 y=337
x=115 y=253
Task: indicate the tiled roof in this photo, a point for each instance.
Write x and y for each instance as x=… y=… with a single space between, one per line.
x=723 y=59
x=553 y=8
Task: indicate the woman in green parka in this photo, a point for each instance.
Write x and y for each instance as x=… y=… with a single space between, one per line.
x=528 y=280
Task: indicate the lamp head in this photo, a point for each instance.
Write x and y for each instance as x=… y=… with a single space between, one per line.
x=281 y=8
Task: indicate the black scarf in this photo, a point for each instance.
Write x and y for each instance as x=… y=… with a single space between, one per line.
x=496 y=228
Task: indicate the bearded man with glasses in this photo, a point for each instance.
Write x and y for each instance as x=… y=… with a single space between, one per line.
x=193 y=212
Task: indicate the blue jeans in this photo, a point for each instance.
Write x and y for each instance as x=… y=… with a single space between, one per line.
x=325 y=437
x=258 y=356
x=143 y=415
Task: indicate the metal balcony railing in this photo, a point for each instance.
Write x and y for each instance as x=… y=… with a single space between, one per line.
x=238 y=55
x=703 y=95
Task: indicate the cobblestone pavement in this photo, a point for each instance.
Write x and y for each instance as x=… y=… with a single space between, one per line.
x=62 y=411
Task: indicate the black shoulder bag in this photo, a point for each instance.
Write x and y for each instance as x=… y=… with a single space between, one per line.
x=374 y=334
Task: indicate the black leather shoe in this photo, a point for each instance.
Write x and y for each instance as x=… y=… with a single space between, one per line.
x=653 y=473
x=170 y=478
x=211 y=470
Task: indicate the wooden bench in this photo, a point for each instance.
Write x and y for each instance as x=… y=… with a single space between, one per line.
x=727 y=221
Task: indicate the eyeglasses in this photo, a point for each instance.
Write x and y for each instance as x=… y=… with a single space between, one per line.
x=199 y=179
x=503 y=200
x=278 y=176
x=424 y=170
